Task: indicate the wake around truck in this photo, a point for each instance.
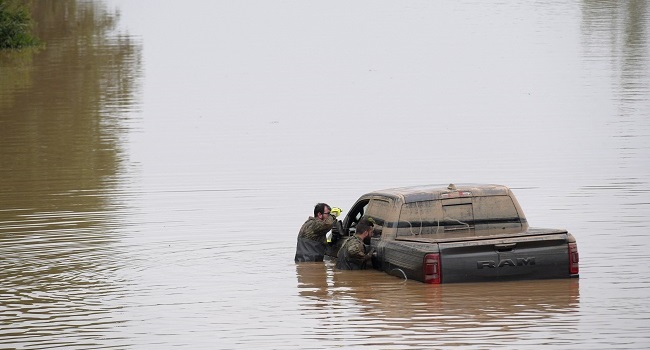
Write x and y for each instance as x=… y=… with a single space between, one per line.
x=464 y=233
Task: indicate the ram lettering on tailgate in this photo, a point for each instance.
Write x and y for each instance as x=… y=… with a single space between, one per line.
x=505 y=262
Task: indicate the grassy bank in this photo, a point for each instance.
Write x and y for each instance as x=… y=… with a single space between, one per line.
x=15 y=25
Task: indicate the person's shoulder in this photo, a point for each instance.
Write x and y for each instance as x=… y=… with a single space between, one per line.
x=308 y=223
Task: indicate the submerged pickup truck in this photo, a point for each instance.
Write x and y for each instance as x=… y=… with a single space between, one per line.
x=464 y=233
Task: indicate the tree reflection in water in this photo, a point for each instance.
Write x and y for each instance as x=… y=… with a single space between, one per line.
x=64 y=112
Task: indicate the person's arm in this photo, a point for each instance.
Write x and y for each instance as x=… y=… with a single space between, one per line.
x=323 y=226
x=331 y=219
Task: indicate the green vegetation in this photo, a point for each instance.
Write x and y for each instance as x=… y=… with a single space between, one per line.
x=15 y=25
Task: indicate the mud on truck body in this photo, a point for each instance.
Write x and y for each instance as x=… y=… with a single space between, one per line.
x=464 y=233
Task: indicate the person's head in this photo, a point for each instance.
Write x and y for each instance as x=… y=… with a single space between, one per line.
x=322 y=211
x=365 y=226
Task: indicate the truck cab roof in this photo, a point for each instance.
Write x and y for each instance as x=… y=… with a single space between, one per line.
x=421 y=193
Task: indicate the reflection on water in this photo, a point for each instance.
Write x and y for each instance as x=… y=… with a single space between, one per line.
x=621 y=28
x=366 y=308
x=63 y=114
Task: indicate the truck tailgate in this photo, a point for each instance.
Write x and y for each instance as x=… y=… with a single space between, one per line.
x=528 y=257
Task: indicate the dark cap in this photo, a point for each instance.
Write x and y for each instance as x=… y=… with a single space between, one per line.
x=367 y=220
x=365 y=224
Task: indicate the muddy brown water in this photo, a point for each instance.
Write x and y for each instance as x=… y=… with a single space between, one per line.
x=157 y=160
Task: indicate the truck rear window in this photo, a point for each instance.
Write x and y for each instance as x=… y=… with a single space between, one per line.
x=494 y=214
x=484 y=215
x=420 y=218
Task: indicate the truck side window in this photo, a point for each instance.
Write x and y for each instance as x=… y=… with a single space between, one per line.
x=355 y=215
x=377 y=210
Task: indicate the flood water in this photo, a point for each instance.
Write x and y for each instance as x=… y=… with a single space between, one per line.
x=157 y=160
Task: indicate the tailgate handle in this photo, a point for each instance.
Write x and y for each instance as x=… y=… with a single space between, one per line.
x=505 y=246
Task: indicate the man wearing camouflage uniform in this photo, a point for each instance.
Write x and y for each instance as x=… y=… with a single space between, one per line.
x=354 y=254
x=312 y=240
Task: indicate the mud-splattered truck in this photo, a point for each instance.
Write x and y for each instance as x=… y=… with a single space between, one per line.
x=464 y=233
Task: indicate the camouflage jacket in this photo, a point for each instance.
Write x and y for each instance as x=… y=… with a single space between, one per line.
x=315 y=229
x=352 y=255
x=312 y=241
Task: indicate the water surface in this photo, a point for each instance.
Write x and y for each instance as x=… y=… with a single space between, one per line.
x=157 y=161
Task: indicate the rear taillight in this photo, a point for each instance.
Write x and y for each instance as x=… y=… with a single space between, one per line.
x=573 y=259
x=432 y=272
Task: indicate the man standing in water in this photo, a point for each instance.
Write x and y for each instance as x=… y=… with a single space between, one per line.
x=312 y=241
x=354 y=254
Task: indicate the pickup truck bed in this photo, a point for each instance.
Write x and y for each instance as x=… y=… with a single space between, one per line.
x=533 y=254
